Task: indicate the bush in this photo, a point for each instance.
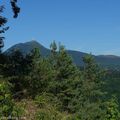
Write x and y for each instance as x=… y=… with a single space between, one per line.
x=7 y=104
x=49 y=114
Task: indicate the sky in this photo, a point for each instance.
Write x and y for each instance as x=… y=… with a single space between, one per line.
x=91 y=26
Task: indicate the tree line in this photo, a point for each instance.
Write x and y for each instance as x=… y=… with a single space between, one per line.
x=56 y=85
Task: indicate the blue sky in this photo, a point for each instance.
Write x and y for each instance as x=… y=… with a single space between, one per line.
x=83 y=25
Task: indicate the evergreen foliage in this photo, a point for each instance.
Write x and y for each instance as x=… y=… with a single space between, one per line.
x=3 y=20
x=112 y=109
x=60 y=90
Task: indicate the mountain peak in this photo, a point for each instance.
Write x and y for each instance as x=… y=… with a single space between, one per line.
x=33 y=41
x=26 y=48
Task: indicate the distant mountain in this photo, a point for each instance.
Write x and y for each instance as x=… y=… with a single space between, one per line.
x=104 y=60
x=26 y=48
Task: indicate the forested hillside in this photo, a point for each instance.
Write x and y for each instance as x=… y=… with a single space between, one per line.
x=107 y=61
x=37 y=83
x=53 y=88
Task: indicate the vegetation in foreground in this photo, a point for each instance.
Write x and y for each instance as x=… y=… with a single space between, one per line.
x=53 y=88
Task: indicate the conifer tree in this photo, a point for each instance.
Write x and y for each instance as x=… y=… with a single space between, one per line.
x=15 y=69
x=53 y=54
x=65 y=73
x=3 y=20
x=39 y=76
x=91 y=98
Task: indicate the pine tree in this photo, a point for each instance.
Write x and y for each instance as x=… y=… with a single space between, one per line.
x=38 y=78
x=91 y=98
x=15 y=69
x=3 y=61
x=15 y=8
x=3 y=20
x=64 y=76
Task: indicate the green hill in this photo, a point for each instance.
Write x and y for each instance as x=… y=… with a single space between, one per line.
x=104 y=60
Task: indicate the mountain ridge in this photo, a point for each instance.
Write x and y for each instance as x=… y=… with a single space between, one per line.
x=25 y=48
